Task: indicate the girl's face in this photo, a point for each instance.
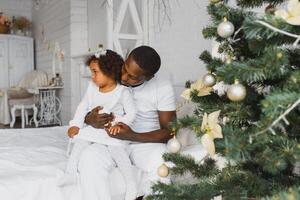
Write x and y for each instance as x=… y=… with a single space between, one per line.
x=98 y=77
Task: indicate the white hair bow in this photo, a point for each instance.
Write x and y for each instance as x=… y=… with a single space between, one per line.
x=100 y=52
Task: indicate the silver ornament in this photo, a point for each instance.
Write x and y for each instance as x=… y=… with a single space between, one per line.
x=209 y=80
x=225 y=29
x=236 y=92
x=163 y=171
x=173 y=145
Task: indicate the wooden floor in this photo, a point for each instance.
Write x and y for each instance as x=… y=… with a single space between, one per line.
x=18 y=124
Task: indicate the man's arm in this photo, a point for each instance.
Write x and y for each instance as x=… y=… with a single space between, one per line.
x=161 y=135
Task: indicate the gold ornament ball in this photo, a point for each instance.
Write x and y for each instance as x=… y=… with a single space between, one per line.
x=163 y=171
x=236 y=92
x=228 y=61
x=279 y=55
x=209 y=80
x=225 y=29
x=173 y=145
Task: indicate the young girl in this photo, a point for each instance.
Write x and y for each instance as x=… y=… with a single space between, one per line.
x=104 y=91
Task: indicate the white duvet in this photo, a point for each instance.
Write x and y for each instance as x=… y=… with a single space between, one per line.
x=31 y=162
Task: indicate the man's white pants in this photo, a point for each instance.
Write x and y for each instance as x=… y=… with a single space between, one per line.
x=96 y=164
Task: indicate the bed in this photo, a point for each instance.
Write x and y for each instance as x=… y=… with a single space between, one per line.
x=32 y=161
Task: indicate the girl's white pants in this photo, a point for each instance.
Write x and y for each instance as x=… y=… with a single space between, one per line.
x=96 y=163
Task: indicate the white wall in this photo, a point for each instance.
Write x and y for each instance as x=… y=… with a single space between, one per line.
x=16 y=8
x=55 y=18
x=181 y=42
x=65 y=22
x=79 y=45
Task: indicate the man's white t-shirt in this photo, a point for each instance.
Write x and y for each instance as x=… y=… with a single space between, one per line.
x=150 y=97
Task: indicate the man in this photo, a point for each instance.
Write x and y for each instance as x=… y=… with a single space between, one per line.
x=155 y=102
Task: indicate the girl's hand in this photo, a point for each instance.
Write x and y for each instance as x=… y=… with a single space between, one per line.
x=124 y=132
x=114 y=130
x=72 y=131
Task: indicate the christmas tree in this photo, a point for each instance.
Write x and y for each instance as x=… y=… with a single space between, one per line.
x=254 y=123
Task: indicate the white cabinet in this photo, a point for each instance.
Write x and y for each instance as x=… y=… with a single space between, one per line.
x=16 y=59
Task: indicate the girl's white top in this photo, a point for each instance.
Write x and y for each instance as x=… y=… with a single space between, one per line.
x=118 y=101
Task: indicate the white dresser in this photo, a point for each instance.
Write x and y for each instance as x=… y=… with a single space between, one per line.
x=16 y=59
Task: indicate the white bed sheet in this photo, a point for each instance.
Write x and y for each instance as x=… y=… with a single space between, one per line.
x=31 y=162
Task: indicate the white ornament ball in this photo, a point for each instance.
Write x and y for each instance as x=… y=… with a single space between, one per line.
x=225 y=29
x=209 y=80
x=236 y=92
x=163 y=171
x=173 y=145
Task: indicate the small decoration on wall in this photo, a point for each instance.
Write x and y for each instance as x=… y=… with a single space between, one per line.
x=58 y=56
x=57 y=64
x=37 y=4
x=21 y=26
x=4 y=23
x=43 y=40
x=56 y=81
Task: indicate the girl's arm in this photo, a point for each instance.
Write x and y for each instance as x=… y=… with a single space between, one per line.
x=82 y=109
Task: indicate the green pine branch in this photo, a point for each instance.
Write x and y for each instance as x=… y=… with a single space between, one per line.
x=267 y=37
x=277 y=102
x=272 y=65
x=185 y=164
x=257 y=3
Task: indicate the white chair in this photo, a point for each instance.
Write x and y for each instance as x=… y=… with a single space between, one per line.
x=24 y=105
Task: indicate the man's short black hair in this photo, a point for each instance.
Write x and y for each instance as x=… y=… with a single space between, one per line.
x=147 y=59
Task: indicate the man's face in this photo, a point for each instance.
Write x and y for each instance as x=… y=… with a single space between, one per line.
x=132 y=74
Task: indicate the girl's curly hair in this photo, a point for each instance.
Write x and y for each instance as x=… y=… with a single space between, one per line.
x=110 y=64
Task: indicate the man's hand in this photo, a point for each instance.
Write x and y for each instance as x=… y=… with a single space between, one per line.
x=124 y=132
x=72 y=131
x=161 y=135
x=97 y=120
